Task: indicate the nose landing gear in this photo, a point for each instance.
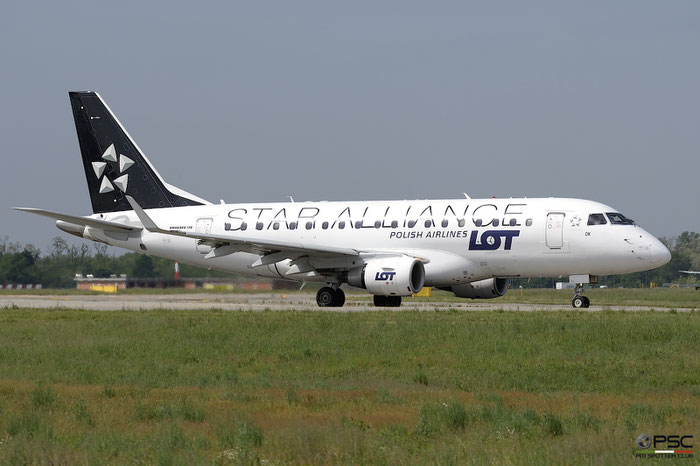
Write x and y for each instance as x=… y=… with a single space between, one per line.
x=579 y=300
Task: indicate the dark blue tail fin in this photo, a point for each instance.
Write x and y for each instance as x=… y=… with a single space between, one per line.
x=114 y=165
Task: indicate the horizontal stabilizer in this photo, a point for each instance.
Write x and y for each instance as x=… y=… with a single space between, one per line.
x=87 y=221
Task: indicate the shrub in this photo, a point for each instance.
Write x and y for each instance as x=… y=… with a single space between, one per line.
x=438 y=417
x=43 y=397
x=553 y=425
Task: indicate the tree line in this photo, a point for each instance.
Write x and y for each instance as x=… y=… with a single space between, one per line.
x=56 y=268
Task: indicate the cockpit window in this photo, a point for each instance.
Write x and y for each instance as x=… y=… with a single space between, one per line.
x=617 y=218
x=597 y=219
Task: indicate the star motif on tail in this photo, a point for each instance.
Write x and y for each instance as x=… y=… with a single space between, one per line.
x=121 y=162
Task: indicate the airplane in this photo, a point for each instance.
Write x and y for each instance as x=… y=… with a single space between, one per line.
x=392 y=249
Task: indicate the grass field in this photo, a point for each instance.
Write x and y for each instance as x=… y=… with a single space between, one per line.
x=315 y=388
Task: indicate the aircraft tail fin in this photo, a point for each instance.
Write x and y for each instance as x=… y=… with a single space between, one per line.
x=114 y=164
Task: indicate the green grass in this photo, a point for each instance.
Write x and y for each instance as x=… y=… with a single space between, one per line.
x=199 y=387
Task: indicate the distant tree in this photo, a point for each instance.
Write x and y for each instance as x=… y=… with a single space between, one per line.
x=100 y=249
x=58 y=248
x=13 y=247
x=19 y=267
x=143 y=267
x=688 y=245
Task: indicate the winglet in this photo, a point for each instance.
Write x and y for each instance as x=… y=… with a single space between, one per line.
x=148 y=224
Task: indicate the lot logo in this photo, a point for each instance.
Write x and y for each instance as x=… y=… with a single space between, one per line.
x=490 y=240
x=381 y=276
x=664 y=446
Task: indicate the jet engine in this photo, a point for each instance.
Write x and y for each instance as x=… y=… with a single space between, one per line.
x=389 y=276
x=76 y=230
x=483 y=289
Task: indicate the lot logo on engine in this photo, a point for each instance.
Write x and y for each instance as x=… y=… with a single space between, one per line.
x=381 y=276
x=490 y=240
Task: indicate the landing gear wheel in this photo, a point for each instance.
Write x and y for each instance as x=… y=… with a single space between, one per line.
x=387 y=301
x=339 y=298
x=379 y=301
x=393 y=301
x=325 y=297
x=328 y=297
x=578 y=302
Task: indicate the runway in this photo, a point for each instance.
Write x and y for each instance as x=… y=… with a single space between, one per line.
x=268 y=301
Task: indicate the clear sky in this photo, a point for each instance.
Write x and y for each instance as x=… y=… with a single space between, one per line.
x=254 y=101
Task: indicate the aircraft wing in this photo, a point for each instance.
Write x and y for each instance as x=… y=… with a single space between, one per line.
x=230 y=244
x=85 y=221
x=689 y=271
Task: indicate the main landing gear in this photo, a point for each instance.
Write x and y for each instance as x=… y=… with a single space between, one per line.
x=579 y=300
x=330 y=297
x=333 y=296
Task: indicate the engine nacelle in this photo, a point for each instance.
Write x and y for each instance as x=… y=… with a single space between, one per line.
x=389 y=276
x=483 y=289
x=76 y=230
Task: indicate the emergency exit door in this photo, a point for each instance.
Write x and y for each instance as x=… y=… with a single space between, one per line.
x=203 y=226
x=554 y=235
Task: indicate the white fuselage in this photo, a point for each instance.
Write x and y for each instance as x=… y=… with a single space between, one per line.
x=459 y=241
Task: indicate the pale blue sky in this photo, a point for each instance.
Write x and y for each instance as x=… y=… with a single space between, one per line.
x=252 y=101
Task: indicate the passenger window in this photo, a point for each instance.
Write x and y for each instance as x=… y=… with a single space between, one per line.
x=324 y=225
x=444 y=223
x=358 y=224
x=377 y=224
x=309 y=225
x=596 y=219
x=394 y=224
x=276 y=226
x=341 y=224
x=293 y=226
x=427 y=223
x=259 y=226
x=528 y=222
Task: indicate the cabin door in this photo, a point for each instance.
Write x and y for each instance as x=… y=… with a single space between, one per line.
x=203 y=226
x=554 y=235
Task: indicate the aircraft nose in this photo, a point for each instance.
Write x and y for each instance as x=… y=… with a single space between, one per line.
x=660 y=254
